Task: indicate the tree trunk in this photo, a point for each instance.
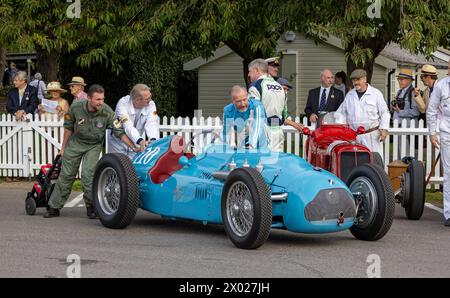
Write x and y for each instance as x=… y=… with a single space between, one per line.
x=245 y=63
x=48 y=63
x=376 y=44
x=2 y=63
x=368 y=67
x=245 y=54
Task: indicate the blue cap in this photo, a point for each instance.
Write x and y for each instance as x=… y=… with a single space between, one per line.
x=284 y=82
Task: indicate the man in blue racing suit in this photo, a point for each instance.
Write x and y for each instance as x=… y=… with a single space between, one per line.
x=247 y=118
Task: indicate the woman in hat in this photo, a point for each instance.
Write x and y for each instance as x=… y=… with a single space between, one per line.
x=55 y=90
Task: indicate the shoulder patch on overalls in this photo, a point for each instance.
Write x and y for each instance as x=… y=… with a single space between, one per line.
x=120 y=121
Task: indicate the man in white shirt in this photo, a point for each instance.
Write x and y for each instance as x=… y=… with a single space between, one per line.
x=136 y=113
x=365 y=106
x=440 y=101
x=273 y=97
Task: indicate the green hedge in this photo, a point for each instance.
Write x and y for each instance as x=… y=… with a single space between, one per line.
x=173 y=90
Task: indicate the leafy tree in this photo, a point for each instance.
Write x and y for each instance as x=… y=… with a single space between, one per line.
x=108 y=35
x=420 y=26
x=2 y=63
x=42 y=25
x=252 y=28
x=47 y=27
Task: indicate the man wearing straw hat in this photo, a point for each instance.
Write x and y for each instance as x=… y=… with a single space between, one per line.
x=404 y=105
x=77 y=89
x=428 y=75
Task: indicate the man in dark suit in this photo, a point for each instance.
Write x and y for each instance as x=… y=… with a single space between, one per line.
x=323 y=98
x=22 y=99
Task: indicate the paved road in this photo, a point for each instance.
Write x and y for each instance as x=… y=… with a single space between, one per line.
x=31 y=246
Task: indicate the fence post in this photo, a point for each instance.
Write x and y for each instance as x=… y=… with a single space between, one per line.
x=27 y=147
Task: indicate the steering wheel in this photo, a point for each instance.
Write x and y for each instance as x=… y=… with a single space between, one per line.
x=203 y=132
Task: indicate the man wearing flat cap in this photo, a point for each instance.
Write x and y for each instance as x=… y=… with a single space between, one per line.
x=77 y=89
x=404 y=105
x=428 y=76
x=365 y=106
x=273 y=67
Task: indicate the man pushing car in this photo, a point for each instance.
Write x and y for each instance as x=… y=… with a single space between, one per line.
x=84 y=134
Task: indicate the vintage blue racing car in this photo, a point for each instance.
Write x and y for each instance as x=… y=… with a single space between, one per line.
x=248 y=191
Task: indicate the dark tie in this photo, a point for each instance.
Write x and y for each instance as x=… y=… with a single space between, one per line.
x=323 y=100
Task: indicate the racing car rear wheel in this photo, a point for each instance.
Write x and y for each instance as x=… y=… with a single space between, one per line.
x=115 y=191
x=30 y=204
x=375 y=202
x=246 y=208
x=415 y=201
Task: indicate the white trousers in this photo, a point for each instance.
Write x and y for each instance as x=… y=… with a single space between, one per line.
x=371 y=141
x=445 y=159
x=276 y=138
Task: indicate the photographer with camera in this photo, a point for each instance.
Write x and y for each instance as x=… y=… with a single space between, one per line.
x=404 y=105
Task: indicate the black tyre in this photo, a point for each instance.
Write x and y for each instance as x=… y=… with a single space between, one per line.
x=376 y=203
x=377 y=159
x=115 y=191
x=414 y=205
x=30 y=204
x=246 y=208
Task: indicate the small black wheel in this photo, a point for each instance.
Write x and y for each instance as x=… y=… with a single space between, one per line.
x=30 y=204
x=246 y=208
x=414 y=204
x=375 y=202
x=115 y=191
x=377 y=159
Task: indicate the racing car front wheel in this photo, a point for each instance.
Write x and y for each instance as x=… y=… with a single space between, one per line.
x=377 y=159
x=375 y=202
x=246 y=208
x=115 y=191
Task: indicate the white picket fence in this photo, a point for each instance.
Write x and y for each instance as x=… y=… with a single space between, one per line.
x=26 y=145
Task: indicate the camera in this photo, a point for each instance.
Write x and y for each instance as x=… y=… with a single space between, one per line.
x=400 y=102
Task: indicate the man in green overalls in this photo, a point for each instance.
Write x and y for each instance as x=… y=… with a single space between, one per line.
x=84 y=134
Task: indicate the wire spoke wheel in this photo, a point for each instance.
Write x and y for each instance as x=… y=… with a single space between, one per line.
x=246 y=208
x=109 y=191
x=240 y=209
